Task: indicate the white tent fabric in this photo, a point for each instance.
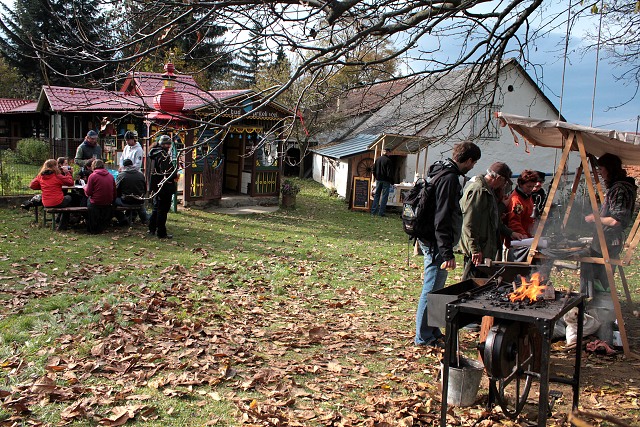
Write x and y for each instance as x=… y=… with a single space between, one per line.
x=553 y=133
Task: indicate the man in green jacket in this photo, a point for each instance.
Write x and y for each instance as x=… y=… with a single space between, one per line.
x=480 y=237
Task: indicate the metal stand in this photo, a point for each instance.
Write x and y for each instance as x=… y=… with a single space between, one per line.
x=459 y=314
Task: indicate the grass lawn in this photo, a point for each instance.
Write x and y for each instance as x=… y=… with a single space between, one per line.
x=300 y=317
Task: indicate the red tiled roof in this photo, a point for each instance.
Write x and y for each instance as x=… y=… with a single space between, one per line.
x=224 y=94
x=79 y=99
x=9 y=105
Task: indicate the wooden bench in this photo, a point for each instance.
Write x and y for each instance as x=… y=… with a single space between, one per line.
x=71 y=209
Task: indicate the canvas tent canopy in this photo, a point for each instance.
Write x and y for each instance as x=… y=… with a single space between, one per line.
x=553 y=134
x=588 y=142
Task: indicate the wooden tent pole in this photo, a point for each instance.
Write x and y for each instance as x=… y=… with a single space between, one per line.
x=572 y=198
x=625 y=285
x=632 y=241
x=603 y=246
x=550 y=196
x=596 y=177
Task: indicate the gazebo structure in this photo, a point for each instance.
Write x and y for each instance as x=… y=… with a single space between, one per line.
x=235 y=136
x=589 y=143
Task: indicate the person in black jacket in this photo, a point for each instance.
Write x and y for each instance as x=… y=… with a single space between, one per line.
x=162 y=186
x=383 y=172
x=131 y=187
x=438 y=249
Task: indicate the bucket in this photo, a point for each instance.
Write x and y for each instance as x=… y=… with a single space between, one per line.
x=601 y=307
x=464 y=381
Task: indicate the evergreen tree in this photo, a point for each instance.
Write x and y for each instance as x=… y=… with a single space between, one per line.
x=44 y=34
x=194 y=39
x=250 y=59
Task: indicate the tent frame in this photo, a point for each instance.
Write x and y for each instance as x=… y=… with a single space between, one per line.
x=574 y=141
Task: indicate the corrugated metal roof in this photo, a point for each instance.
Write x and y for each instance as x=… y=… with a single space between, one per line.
x=350 y=147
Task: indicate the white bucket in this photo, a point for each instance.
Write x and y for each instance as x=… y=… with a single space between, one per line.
x=464 y=381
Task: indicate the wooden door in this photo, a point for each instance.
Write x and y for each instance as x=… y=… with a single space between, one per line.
x=232 y=162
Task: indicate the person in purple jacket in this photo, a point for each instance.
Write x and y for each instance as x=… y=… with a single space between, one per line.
x=101 y=191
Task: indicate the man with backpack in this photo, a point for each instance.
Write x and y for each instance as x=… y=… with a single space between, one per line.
x=442 y=235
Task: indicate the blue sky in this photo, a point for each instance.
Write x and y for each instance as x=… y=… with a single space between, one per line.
x=579 y=86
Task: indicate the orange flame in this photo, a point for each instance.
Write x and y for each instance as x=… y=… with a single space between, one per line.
x=530 y=290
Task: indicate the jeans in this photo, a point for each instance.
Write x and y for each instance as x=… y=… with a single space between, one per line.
x=434 y=279
x=380 y=198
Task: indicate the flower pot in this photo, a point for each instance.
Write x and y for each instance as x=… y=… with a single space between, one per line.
x=288 y=200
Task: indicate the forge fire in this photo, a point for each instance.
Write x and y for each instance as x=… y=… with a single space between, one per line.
x=529 y=291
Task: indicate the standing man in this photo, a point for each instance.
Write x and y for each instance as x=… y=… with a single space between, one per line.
x=383 y=172
x=480 y=237
x=438 y=248
x=132 y=151
x=162 y=186
x=89 y=149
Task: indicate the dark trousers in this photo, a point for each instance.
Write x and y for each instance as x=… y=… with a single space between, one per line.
x=63 y=218
x=98 y=217
x=161 y=205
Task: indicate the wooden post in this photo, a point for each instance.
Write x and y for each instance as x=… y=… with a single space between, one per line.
x=625 y=285
x=572 y=198
x=603 y=246
x=551 y=195
x=188 y=168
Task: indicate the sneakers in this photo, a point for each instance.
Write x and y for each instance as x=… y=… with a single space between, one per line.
x=434 y=343
x=166 y=236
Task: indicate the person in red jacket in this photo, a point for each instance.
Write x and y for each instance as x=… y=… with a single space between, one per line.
x=50 y=180
x=520 y=216
x=101 y=191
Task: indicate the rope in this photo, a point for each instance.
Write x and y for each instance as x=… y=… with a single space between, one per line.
x=595 y=75
x=564 y=62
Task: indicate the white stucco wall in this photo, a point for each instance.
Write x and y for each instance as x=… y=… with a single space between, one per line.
x=515 y=95
x=341 y=174
x=522 y=100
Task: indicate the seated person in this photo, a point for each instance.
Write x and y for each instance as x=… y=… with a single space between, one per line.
x=50 y=181
x=131 y=187
x=35 y=201
x=101 y=191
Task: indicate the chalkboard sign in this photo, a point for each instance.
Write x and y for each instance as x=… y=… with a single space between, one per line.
x=361 y=189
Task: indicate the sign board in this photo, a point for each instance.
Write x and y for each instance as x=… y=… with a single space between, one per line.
x=361 y=189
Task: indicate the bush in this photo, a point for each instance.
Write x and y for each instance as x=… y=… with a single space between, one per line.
x=32 y=151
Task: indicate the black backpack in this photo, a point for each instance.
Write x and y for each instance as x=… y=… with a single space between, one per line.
x=418 y=209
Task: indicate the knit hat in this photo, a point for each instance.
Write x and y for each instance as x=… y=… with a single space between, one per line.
x=501 y=169
x=92 y=134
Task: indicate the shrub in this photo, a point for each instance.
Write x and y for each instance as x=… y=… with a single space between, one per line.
x=32 y=151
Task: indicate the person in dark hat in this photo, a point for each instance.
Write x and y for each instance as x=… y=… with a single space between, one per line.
x=480 y=236
x=383 y=172
x=162 y=185
x=132 y=151
x=89 y=150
